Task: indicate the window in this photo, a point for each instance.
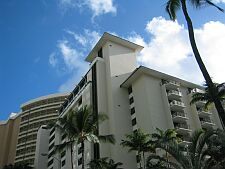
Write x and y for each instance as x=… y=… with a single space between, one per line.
x=52 y=138
x=130 y=90
x=80 y=101
x=80 y=150
x=79 y=161
x=63 y=162
x=131 y=100
x=100 y=54
x=51 y=146
x=134 y=122
x=63 y=136
x=132 y=111
x=63 y=154
x=138 y=158
x=52 y=130
x=50 y=162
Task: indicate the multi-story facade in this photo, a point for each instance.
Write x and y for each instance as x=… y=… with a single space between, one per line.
x=8 y=133
x=132 y=98
x=35 y=113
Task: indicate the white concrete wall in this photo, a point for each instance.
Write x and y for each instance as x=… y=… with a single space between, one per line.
x=41 y=161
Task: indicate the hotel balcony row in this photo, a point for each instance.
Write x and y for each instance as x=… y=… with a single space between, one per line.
x=206 y=123
x=182 y=128
x=179 y=116
x=176 y=105
x=174 y=95
x=171 y=85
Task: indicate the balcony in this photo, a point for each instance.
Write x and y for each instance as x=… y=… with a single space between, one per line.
x=177 y=105
x=179 y=116
x=203 y=113
x=169 y=84
x=185 y=141
x=196 y=90
x=207 y=123
x=182 y=128
x=200 y=103
x=174 y=94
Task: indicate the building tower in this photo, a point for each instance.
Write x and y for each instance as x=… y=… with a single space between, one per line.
x=8 y=133
x=35 y=113
x=132 y=97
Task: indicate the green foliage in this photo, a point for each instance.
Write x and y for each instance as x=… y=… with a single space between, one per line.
x=203 y=153
x=104 y=163
x=140 y=142
x=172 y=6
x=80 y=126
x=207 y=97
x=18 y=166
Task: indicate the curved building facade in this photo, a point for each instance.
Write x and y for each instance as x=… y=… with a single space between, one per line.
x=35 y=113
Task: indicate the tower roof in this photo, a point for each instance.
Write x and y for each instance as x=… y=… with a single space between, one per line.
x=109 y=37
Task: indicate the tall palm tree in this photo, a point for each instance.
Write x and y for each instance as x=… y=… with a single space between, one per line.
x=140 y=142
x=206 y=96
x=197 y=156
x=172 y=7
x=164 y=137
x=80 y=126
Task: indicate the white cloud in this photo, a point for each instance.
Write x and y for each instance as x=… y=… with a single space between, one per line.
x=218 y=1
x=52 y=59
x=101 y=6
x=88 y=39
x=70 y=56
x=168 y=49
x=74 y=61
x=98 y=7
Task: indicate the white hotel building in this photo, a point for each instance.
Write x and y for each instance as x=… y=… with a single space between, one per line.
x=132 y=98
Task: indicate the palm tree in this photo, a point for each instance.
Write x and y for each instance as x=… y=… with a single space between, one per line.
x=197 y=156
x=216 y=150
x=206 y=96
x=140 y=142
x=172 y=7
x=104 y=163
x=164 y=137
x=80 y=126
x=157 y=162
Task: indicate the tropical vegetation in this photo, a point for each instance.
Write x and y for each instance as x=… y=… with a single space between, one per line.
x=18 y=166
x=172 y=7
x=205 y=151
x=81 y=126
x=140 y=142
x=104 y=163
x=207 y=97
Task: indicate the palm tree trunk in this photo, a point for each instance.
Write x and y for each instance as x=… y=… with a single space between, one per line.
x=143 y=159
x=82 y=149
x=140 y=161
x=212 y=89
x=71 y=154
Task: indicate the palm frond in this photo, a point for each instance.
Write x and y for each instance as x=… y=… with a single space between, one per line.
x=172 y=6
x=165 y=162
x=213 y=4
x=107 y=138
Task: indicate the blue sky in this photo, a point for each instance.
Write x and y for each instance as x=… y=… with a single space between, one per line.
x=43 y=43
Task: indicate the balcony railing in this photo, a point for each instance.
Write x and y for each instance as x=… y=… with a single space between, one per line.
x=204 y=113
x=196 y=90
x=207 y=123
x=177 y=105
x=169 y=84
x=179 y=116
x=174 y=94
x=182 y=128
